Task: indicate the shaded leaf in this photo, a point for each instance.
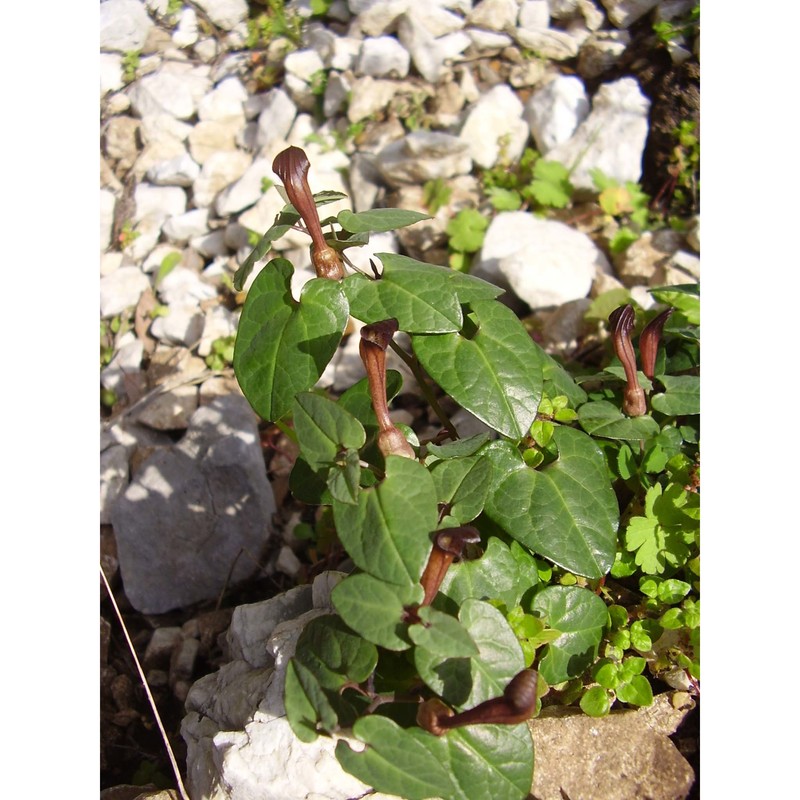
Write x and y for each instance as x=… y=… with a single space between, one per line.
x=601 y=418
x=681 y=395
x=378 y=219
x=324 y=429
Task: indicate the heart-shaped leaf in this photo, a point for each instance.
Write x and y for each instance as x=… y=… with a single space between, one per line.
x=492 y=367
x=493 y=761
x=327 y=657
x=462 y=485
x=387 y=534
x=378 y=219
x=419 y=296
x=324 y=429
x=581 y=616
x=681 y=395
x=601 y=418
x=374 y=609
x=441 y=635
x=282 y=346
x=466 y=681
x=566 y=511
x=499 y=574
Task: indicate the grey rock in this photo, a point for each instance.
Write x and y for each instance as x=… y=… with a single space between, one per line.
x=337 y=94
x=544 y=262
x=611 y=138
x=124 y=369
x=171 y=409
x=113 y=479
x=160 y=647
x=637 y=264
x=601 y=51
x=422 y=156
x=191 y=512
x=124 y=25
x=555 y=111
x=253 y=624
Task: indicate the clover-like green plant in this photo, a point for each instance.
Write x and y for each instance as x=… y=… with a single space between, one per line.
x=485 y=568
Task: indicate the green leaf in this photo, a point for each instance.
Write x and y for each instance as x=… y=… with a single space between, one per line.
x=467 y=230
x=566 y=512
x=637 y=693
x=607 y=673
x=478 y=365
x=594 y=702
x=475 y=761
x=462 y=485
x=328 y=656
x=684 y=297
x=442 y=635
x=324 y=429
x=284 y=223
x=557 y=381
x=169 y=262
x=504 y=199
x=378 y=219
x=282 y=347
x=501 y=572
x=419 y=296
x=551 y=186
x=601 y=418
x=388 y=532
x=461 y=448
x=581 y=616
x=467 y=681
x=374 y=609
x=672 y=591
x=344 y=479
x=682 y=395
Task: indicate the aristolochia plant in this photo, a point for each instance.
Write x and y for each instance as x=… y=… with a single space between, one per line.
x=480 y=563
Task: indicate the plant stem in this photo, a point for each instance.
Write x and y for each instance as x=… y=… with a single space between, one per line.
x=422 y=380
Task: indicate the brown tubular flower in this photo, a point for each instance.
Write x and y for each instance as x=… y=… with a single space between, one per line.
x=517 y=704
x=622 y=319
x=448 y=544
x=291 y=166
x=375 y=339
x=649 y=341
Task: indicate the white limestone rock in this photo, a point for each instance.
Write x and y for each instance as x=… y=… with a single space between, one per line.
x=555 y=111
x=601 y=51
x=107 y=202
x=127 y=361
x=276 y=118
x=383 y=57
x=179 y=170
x=174 y=554
x=548 y=42
x=534 y=15
x=225 y=101
x=426 y=51
x=110 y=73
x=544 y=262
x=160 y=126
x=213 y=136
x=182 y=285
x=369 y=95
x=219 y=323
x=182 y=325
x=121 y=289
x=246 y=191
x=175 y=89
x=124 y=25
x=623 y=13
x=488 y=40
x=422 y=156
x=226 y=14
x=187 y=31
x=494 y=127
x=494 y=15
x=219 y=170
x=158 y=201
x=611 y=138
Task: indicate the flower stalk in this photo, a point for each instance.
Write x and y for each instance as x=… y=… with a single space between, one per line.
x=634 y=403
x=649 y=341
x=375 y=338
x=517 y=704
x=448 y=544
x=291 y=166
